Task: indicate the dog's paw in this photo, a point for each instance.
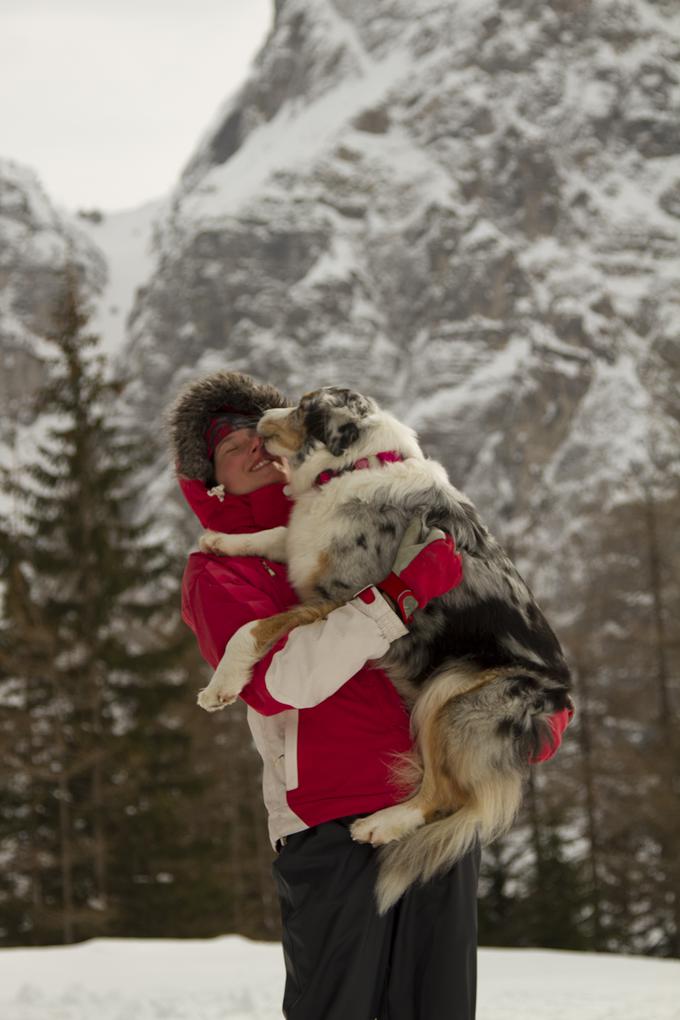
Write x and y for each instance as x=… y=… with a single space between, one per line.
x=209 y=701
x=223 y=690
x=213 y=542
x=233 y=671
x=217 y=695
x=387 y=825
x=209 y=543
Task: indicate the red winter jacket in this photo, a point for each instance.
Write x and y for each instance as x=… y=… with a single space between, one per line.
x=326 y=725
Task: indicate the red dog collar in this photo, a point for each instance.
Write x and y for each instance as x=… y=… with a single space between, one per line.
x=386 y=457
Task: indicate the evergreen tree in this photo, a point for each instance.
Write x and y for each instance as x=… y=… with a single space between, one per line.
x=30 y=736
x=624 y=650
x=600 y=827
x=502 y=906
x=554 y=898
x=92 y=692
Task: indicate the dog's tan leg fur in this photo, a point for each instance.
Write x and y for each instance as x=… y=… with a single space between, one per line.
x=267 y=632
x=441 y=789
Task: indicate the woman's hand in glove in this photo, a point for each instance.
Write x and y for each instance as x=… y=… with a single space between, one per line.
x=422 y=570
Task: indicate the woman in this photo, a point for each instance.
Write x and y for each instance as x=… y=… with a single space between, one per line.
x=327 y=727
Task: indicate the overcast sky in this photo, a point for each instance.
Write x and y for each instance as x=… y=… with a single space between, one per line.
x=106 y=99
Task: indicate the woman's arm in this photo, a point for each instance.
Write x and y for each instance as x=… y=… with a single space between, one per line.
x=309 y=664
x=314 y=661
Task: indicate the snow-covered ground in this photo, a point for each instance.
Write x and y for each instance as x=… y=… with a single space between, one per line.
x=230 y=978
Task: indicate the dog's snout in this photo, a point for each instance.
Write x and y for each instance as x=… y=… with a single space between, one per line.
x=278 y=430
x=267 y=425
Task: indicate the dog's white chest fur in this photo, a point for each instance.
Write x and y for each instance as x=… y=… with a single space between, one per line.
x=315 y=522
x=312 y=527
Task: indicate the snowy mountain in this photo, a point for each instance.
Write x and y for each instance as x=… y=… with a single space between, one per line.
x=113 y=253
x=470 y=210
x=35 y=242
x=125 y=240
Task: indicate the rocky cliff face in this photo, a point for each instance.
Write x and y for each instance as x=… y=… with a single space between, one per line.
x=470 y=210
x=36 y=242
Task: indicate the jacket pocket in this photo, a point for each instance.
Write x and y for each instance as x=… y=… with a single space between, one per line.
x=291 y=749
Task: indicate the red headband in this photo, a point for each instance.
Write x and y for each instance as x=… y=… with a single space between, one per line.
x=222 y=424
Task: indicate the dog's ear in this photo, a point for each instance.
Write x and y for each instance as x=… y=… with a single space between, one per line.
x=357 y=404
x=331 y=417
x=344 y=423
x=321 y=424
x=340 y=437
x=316 y=419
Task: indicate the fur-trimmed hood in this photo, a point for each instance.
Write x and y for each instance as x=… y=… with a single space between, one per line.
x=197 y=405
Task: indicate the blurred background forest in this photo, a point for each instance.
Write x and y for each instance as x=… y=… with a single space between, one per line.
x=472 y=212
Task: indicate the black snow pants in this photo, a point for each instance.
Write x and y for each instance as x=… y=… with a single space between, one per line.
x=344 y=962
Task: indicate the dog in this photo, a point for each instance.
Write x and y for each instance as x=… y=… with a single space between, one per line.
x=480 y=667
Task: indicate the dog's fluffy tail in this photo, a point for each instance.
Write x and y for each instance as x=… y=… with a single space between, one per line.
x=434 y=848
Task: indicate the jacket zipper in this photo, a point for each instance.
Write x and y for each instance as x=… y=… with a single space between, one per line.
x=268 y=568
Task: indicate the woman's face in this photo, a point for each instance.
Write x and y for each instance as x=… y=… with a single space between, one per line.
x=242 y=464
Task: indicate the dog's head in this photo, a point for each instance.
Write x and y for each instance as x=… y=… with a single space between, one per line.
x=333 y=418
